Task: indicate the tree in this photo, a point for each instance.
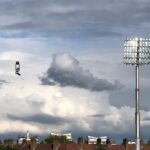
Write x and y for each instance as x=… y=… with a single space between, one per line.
x=100 y=148
x=148 y=142
x=42 y=142
x=8 y=148
x=61 y=139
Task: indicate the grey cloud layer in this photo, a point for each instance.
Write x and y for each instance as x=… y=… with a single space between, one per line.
x=2 y=82
x=65 y=70
x=64 y=12
x=39 y=118
x=66 y=18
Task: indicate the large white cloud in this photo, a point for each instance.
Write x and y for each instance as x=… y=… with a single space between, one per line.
x=24 y=101
x=87 y=112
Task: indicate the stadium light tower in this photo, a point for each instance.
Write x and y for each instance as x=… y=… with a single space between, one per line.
x=137 y=52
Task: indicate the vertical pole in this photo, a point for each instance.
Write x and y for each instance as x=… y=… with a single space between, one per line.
x=137 y=109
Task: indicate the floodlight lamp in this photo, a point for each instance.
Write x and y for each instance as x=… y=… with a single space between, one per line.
x=137 y=51
x=136 y=38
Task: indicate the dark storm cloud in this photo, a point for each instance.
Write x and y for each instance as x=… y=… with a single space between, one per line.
x=39 y=118
x=65 y=70
x=64 y=12
x=78 y=12
x=80 y=17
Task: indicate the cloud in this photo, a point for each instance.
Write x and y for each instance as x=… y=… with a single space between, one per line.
x=2 y=82
x=74 y=19
x=36 y=108
x=39 y=118
x=30 y=104
x=67 y=19
x=65 y=70
x=51 y=107
x=74 y=13
x=84 y=13
x=14 y=55
x=13 y=126
x=78 y=18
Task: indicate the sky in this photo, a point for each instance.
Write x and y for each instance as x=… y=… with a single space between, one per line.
x=72 y=74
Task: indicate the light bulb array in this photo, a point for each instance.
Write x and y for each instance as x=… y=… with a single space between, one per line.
x=137 y=51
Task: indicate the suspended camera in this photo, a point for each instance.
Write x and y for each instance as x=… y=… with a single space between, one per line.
x=17 y=68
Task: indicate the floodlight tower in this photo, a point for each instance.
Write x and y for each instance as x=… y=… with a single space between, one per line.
x=137 y=52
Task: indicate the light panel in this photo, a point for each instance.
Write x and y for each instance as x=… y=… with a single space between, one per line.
x=137 y=51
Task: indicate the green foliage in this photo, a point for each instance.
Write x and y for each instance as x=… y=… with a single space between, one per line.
x=60 y=139
x=101 y=148
x=8 y=148
x=148 y=142
x=42 y=142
